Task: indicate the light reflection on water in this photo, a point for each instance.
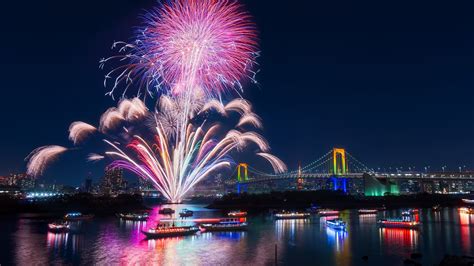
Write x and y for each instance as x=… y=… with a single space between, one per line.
x=112 y=241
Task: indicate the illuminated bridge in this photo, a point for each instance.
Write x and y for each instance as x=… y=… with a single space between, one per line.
x=339 y=170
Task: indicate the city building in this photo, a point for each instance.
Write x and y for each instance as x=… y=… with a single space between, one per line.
x=113 y=182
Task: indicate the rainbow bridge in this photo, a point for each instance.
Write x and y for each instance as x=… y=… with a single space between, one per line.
x=339 y=170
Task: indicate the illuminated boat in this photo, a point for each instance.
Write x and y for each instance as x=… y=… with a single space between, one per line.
x=436 y=208
x=59 y=227
x=327 y=212
x=162 y=231
x=409 y=212
x=77 y=216
x=142 y=216
x=368 y=211
x=292 y=215
x=167 y=211
x=336 y=224
x=467 y=210
x=468 y=201
x=398 y=223
x=237 y=214
x=226 y=225
x=186 y=213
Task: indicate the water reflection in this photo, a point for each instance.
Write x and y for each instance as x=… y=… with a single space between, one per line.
x=111 y=241
x=336 y=238
x=290 y=227
x=466 y=220
x=397 y=239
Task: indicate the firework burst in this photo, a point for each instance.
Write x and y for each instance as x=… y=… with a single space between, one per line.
x=205 y=45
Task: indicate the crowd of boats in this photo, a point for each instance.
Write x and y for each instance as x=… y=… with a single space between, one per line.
x=237 y=220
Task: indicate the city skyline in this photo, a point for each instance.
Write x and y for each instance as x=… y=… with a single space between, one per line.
x=373 y=101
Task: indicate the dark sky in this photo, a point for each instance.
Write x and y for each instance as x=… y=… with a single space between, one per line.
x=390 y=81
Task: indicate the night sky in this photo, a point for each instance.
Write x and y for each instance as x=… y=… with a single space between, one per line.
x=390 y=81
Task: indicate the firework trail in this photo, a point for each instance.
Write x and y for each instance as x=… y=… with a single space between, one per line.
x=185 y=45
x=41 y=157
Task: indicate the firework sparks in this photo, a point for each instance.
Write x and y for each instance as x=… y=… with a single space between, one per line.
x=39 y=159
x=277 y=164
x=250 y=119
x=78 y=131
x=206 y=45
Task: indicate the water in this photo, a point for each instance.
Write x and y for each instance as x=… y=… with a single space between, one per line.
x=110 y=241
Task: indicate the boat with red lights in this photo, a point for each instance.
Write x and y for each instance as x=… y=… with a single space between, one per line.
x=328 y=212
x=162 y=231
x=368 y=211
x=226 y=225
x=77 y=216
x=467 y=210
x=237 y=214
x=399 y=223
x=59 y=227
x=468 y=201
x=292 y=215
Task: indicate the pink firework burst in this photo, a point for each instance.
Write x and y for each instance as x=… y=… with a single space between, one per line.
x=207 y=45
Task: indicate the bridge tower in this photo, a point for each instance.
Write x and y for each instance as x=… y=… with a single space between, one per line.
x=339 y=169
x=299 y=180
x=339 y=166
x=242 y=168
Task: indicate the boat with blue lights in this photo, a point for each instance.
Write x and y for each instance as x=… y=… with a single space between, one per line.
x=292 y=215
x=137 y=216
x=226 y=225
x=186 y=213
x=77 y=216
x=336 y=224
x=162 y=231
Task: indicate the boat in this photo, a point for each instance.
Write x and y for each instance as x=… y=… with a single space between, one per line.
x=168 y=211
x=409 y=212
x=77 y=216
x=237 y=214
x=59 y=227
x=162 y=231
x=225 y=225
x=336 y=224
x=186 y=213
x=292 y=215
x=368 y=211
x=404 y=222
x=138 y=216
x=327 y=212
x=468 y=201
x=436 y=208
x=466 y=210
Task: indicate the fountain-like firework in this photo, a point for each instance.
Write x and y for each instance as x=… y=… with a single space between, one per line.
x=173 y=165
